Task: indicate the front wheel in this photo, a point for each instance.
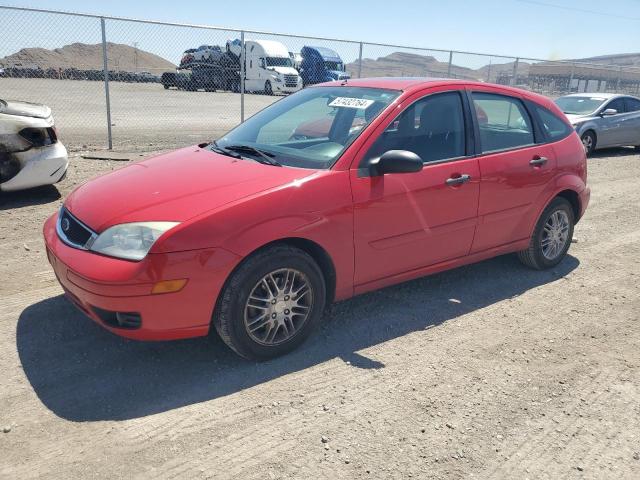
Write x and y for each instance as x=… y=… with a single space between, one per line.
x=268 y=89
x=552 y=236
x=271 y=303
x=589 y=142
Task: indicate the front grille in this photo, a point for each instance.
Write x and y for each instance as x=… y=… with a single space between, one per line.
x=73 y=232
x=291 y=80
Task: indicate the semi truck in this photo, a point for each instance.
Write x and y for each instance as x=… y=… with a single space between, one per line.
x=268 y=66
x=320 y=64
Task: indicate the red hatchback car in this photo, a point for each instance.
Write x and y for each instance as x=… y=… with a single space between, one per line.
x=257 y=232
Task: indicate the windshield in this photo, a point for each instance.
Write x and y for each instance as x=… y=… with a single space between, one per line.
x=334 y=66
x=279 y=62
x=579 y=105
x=311 y=128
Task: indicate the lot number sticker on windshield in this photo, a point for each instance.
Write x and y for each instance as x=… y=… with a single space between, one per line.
x=351 y=102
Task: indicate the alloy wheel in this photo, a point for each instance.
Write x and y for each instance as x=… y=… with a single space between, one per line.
x=555 y=234
x=278 y=306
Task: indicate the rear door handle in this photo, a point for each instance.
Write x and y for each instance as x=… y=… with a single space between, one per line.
x=538 y=161
x=458 y=180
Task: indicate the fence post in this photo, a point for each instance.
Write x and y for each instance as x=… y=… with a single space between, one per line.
x=573 y=68
x=105 y=70
x=489 y=72
x=242 y=75
x=515 y=72
x=450 y=62
x=360 y=62
x=618 y=79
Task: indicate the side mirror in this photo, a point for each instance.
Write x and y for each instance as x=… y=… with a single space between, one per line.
x=608 y=112
x=395 y=161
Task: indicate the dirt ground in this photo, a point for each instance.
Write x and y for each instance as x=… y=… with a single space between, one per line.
x=486 y=371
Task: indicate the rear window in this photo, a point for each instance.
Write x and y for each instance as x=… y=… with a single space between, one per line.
x=554 y=127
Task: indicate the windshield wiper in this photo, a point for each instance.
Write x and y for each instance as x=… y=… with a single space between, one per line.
x=223 y=151
x=263 y=156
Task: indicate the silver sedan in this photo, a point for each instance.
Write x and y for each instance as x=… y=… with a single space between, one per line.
x=603 y=119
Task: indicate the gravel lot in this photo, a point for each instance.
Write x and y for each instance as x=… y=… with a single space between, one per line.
x=144 y=116
x=487 y=371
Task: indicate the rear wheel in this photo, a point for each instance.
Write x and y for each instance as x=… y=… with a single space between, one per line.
x=552 y=236
x=589 y=141
x=268 y=90
x=271 y=303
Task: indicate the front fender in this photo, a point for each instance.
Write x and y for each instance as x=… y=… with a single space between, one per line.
x=318 y=209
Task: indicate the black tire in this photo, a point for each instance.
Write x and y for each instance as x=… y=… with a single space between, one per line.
x=166 y=87
x=533 y=256
x=268 y=89
x=229 y=315
x=589 y=142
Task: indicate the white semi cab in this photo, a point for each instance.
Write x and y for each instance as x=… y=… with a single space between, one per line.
x=268 y=67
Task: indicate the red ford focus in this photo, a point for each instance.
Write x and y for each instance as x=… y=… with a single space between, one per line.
x=256 y=233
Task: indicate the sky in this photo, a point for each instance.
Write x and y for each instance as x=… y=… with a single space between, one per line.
x=549 y=29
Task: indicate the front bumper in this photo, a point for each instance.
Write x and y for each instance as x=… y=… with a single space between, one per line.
x=96 y=283
x=40 y=166
x=282 y=88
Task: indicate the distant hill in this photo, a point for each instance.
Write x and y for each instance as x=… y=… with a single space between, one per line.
x=401 y=64
x=624 y=59
x=413 y=65
x=489 y=73
x=89 y=57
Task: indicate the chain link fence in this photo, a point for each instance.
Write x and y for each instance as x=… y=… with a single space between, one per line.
x=143 y=85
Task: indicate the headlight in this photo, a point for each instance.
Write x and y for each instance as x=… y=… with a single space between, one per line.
x=130 y=241
x=276 y=78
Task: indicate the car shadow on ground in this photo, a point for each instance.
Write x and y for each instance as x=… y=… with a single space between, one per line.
x=84 y=373
x=26 y=198
x=614 y=152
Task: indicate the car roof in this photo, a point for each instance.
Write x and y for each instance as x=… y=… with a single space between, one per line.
x=606 y=96
x=407 y=84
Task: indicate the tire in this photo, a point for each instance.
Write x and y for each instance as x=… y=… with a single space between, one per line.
x=268 y=89
x=166 y=87
x=589 y=142
x=235 y=313
x=535 y=256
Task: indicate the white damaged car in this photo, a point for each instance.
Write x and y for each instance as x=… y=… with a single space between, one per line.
x=30 y=153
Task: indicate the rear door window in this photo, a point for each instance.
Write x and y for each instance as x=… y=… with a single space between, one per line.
x=554 y=127
x=503 y=121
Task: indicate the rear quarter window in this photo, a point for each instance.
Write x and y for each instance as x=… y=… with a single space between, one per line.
x=554 y=127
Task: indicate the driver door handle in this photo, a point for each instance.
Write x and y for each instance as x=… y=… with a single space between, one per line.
x=538 y=161
x=458 y=180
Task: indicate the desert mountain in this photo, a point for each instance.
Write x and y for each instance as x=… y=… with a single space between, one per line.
x=89 y=57
x=403 y=64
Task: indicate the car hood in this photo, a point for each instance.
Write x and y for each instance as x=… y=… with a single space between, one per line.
x=174 y=187
x=578 y=118
x=24 y=109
